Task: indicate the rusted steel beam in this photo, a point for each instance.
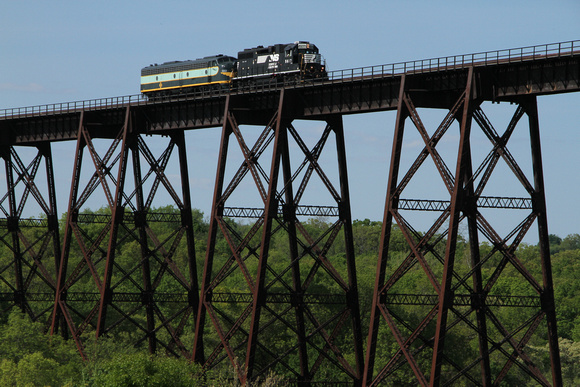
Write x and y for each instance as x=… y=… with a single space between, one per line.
x=288 y=214
x=117 y=209
x=60 y=310
x=539 y=201
x=216 y=214
x=271 y=207
x=391 y=203
x=462 y=170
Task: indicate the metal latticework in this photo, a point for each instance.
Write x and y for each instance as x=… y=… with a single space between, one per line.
x=125 y=261
x=28 y=278
x=434 y=329
x=459 y=303
x=294 y=312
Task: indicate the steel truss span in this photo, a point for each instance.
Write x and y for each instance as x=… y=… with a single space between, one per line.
x=462 y=298
x=76 y=277
x=279 y=296
x=101 y=288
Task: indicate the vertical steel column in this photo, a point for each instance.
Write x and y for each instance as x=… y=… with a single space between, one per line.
x=391 y=203
x=52 y=219
x=478 y=294
x=60 y=310
x=117 y=212
x=187 y=225
x=539 y=205
x=13 y=229
x=346 y=218
x=270 y=212
x=217 y=210
x=289 y=212
x=140 y=224
x=457 y=199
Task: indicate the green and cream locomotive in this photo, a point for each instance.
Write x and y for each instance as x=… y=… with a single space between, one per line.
x=179 y=76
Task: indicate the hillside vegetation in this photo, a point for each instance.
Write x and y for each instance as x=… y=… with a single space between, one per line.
x=29 y=357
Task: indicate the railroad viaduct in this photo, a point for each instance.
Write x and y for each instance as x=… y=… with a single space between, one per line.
x=73 y=276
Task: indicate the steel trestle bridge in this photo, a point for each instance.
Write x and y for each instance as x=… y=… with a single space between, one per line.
x=78 y=276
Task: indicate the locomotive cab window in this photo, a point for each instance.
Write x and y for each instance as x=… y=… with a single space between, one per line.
x=308 y=51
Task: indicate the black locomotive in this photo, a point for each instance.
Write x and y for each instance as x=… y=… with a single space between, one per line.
x=288 y=63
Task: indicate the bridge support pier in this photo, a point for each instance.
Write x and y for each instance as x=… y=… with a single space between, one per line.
x=121 y=283
x=462 y=286
x=31 y=243
x=272 y=313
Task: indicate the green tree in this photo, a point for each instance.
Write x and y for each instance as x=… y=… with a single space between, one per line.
x=30 y=358
x=141 y=369
x=571 y=242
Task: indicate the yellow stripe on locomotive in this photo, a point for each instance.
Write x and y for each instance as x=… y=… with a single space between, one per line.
x=172 y=76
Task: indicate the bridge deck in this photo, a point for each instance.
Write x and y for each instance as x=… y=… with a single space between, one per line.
x=501 y=75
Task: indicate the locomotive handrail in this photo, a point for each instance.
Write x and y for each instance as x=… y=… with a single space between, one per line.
x=513 y=55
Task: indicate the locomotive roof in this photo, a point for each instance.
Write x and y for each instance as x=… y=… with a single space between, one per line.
x=277 y=47
x=168 y=65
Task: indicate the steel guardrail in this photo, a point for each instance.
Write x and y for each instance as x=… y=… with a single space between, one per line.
x=456 y=62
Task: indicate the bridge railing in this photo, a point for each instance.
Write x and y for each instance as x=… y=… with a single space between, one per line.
x=514 y=55
x=71 y=107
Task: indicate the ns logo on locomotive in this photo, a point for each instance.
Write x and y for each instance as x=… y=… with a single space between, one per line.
x=289 y=63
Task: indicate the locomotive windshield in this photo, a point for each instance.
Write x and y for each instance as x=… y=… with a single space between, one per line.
x=225 y=59
x=307 y=48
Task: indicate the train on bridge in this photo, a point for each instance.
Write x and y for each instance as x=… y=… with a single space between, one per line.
x=287 y=63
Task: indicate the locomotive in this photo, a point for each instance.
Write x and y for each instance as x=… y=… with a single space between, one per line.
x=289 y=63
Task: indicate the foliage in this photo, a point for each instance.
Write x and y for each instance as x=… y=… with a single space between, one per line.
x=28 y=357
x=141 y=369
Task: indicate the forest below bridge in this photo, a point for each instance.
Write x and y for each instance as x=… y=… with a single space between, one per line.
x=30 y=357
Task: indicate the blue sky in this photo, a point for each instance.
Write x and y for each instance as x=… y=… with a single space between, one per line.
x=62 y=51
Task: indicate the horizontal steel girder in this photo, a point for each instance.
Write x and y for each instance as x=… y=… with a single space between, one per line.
x=436 y=84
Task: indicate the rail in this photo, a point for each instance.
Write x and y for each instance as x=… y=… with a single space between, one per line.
x=489 y=58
